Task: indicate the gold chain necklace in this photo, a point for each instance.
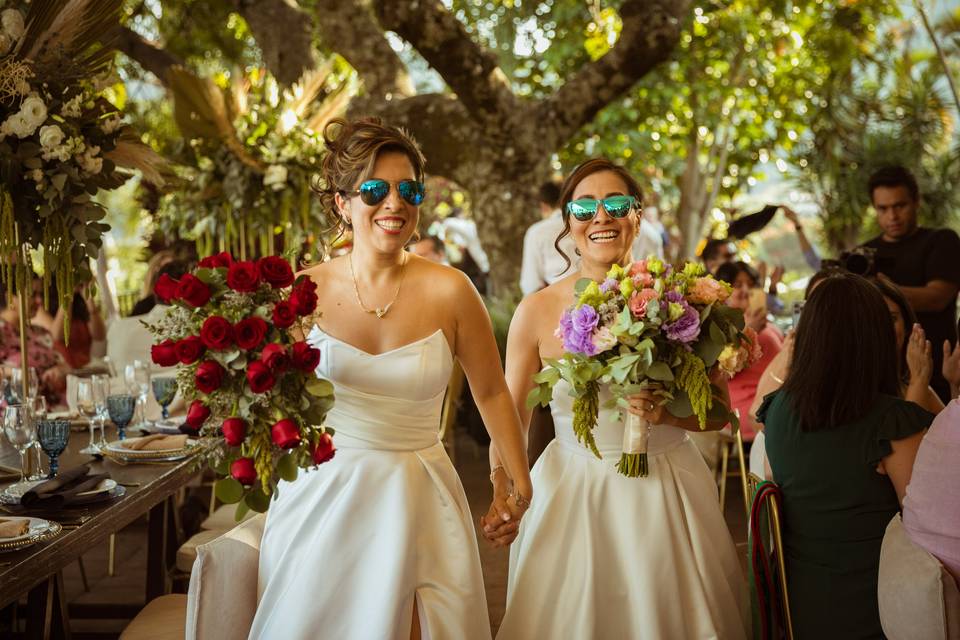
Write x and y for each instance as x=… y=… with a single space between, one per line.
x=382 y=311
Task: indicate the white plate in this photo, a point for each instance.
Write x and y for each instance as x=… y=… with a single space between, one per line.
x=13 y=493
x=38 y=526
x=107 y=484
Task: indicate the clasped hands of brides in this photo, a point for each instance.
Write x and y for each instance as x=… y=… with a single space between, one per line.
x=379 y=311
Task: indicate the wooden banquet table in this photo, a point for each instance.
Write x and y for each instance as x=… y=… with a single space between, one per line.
x=35 y=570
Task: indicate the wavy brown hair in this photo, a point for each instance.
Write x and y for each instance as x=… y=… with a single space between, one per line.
x=353 y=147
x=584 y=169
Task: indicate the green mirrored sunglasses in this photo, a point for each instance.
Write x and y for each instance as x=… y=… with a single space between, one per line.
x=375 y=191
x=584 y=209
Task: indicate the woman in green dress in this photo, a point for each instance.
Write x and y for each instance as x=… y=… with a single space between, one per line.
x=841 y=444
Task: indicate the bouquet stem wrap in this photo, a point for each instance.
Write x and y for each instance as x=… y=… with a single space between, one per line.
x=636 y=435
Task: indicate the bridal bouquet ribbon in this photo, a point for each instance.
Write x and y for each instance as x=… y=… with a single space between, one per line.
x=250 y=384
x=647 y=325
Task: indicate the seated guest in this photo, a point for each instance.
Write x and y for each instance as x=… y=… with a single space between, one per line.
x=931 y=509
x=748 y=296
x=841 y=444
x=127 y=338
x=41 y=352
x=86 y=326
x=916 y=357
x=147 y=300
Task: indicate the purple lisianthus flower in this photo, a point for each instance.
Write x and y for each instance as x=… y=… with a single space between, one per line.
x=674 y=296
x=686 y=328
x=610 y=284
x=585 y=319
x=566 y=325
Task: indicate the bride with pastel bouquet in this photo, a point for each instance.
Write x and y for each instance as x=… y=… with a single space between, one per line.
x=626 y=538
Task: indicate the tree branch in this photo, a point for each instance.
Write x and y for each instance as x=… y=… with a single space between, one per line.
x=148 y=55
x=284 y=32
x=650 y=31
x=351 y=30
x=472 y=72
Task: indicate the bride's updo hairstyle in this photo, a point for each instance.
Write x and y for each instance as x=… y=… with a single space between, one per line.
x=584 y=169
x=353 y=147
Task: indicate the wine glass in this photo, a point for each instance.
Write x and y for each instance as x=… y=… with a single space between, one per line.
x=38 y=407
x=53 y=436
x=101 y=386
x=14 y=390
x=120 y=407
x=137 y=376
x=20 y=430
x=164 y=388
x=86 y=402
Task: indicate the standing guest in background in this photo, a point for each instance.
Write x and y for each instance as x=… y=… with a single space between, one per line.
x=42 y=355
x=748 y=297
x=87 y=329
x=841 y=444
x=147 y=300
x=542 y=262
x=716 y=252
x=430 y=247
x=463 y=231
x=923 y=263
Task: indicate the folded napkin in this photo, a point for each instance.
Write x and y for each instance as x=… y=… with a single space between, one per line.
x=155 y=442
x=13 y=528
x=63 y=490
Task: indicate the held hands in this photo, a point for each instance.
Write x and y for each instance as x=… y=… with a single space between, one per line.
x=919 y=357
x=501 y=524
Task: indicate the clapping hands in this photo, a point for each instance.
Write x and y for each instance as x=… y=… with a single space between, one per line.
x=920 y=357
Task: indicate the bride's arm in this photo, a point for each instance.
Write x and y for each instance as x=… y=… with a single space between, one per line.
x=476 y=349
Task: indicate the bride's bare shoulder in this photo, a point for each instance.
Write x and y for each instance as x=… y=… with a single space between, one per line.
x=322 y=271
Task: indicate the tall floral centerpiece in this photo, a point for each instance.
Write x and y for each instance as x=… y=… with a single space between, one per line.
x=250 y=384
x=647 y=325
x=61 y=140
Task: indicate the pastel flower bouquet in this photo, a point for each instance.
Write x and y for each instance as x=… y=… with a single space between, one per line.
x=251 y=386
x=647 y=325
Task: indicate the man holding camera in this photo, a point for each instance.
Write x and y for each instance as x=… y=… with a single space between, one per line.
x=923 y=263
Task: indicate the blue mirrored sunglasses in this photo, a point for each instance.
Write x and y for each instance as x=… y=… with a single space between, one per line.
x=373 y=192
x=585 y=209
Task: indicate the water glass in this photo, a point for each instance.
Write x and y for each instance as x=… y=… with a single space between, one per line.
x=38 y=408
x=121 y=408
x=20 y=430
x=137 y=377
x=53 y=436
x=101 y=385
x=14 y=391
x=86 y=403
x=164 y=389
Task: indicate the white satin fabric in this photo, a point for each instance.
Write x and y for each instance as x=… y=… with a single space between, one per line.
x=350 y=547
x=600 y=555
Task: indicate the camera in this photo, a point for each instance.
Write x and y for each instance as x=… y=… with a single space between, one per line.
x=862 y=261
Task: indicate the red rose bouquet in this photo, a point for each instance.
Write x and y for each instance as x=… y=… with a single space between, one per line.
x=251 y=386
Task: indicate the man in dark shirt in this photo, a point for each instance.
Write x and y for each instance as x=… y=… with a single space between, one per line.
x=923 y=263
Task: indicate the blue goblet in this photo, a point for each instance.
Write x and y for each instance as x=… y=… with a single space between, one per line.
x=53 y=436
x=121 y=407
x=164 y=389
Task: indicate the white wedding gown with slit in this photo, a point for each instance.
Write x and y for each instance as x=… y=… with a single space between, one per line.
x=351 y=547
x=600 y=555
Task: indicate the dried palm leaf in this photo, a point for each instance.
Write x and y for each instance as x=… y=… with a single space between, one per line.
x=306 y=90
x=130 y=153
x=334 y=105
x=75 y=29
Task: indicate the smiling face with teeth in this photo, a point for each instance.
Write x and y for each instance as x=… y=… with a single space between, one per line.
x=603 y=240
x=387 y=226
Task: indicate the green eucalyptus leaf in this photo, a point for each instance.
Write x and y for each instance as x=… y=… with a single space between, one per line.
x=228 y=490
x=680 y=406
x=660 y=371
x=242 y=510
x=287 y=467
x=257 y=500
x=319 y=388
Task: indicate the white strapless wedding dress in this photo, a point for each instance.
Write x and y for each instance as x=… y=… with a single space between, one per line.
x=600 y=555
x=350 y=547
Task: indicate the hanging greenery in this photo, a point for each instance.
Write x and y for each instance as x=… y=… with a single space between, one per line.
x=61 y=140
x=251 y=153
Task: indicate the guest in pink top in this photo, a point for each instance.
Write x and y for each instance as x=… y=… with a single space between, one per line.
x=931 y=508
x=749 y=296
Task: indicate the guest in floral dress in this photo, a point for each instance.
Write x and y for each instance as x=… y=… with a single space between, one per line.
x=43 y=355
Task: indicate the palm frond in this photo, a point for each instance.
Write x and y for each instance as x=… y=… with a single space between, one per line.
x=306 y=90
x=334 y=105
x=130 y=153
x=74 y=28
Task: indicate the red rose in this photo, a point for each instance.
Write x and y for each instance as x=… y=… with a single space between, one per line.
x=260 y=377
x=243 y=471
x=166 y=288
x=275 y=357
x=304 y=301
x=304 y=357
x=275 y=271
x=197 y=414
x=222 y=259
x=193 y=291
x=323 y=450
x=285 y=434
x=209 y=376
x=189 y=349
x=284 y=315
x=250 y=332
x=243 y=276
x=234 y=431
x=217 y=333
x=165 y=353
